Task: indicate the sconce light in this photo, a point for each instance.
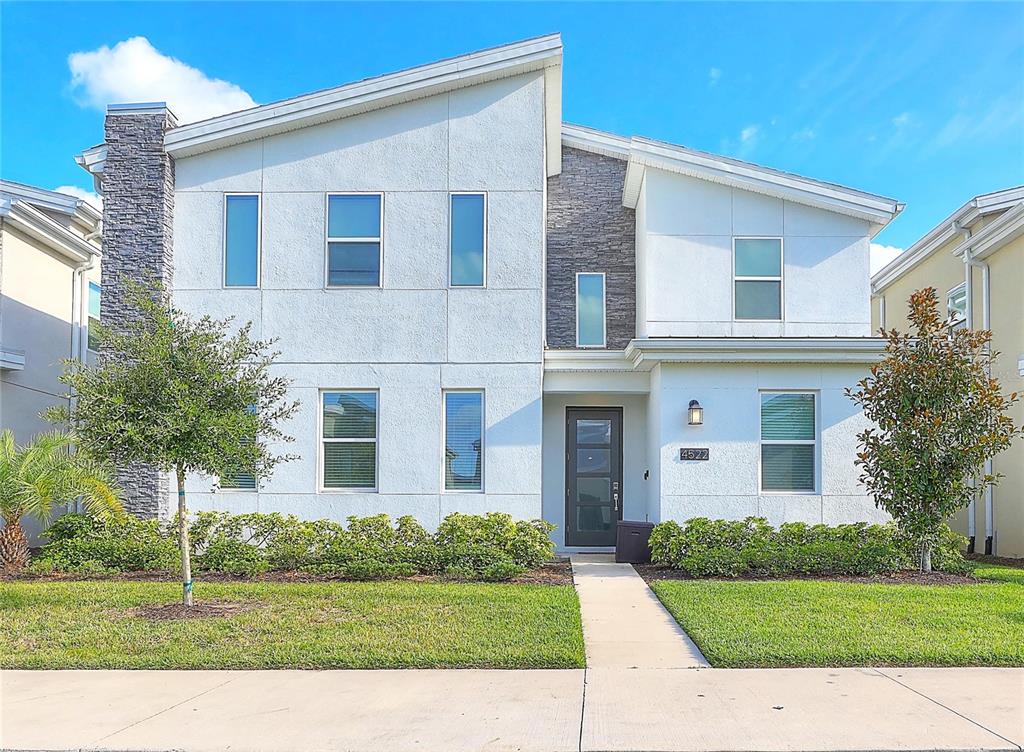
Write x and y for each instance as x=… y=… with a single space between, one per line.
x=696 y=413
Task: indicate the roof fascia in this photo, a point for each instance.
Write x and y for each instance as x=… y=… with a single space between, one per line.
x=594 y=141
x=52 y=200
x=52 y=234
x=646 y=353
x=994 y=236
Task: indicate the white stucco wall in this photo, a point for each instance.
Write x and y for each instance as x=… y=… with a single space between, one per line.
x=414 y=336
x=726 y=485
x=635 y=493
x=685 y=228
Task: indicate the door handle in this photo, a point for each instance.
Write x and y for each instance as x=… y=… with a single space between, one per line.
x=615 y=498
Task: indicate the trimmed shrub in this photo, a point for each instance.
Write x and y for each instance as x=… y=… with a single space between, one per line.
x=753 y=548
x=494 y=543
x=79 y=543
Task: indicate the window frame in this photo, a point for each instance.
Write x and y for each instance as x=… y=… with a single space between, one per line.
x=816 y=441
x=781 y=279
x=88 y=314
x=960 y=323
x=221 y=488
x=483 y=438
x=379 y=240
x=322 y=441
x=604 y=310
x=259 y=242
x=487 y=202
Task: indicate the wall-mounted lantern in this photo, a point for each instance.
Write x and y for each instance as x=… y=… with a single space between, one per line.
x=696 y=413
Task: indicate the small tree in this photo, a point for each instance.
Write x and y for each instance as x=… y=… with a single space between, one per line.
x=38 y=477
x=184 y=395
x=938 y=417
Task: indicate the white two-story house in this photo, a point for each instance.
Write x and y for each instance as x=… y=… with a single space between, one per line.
x=481 y=308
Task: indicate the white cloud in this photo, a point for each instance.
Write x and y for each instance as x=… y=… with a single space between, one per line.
x=80 y=193
x=804 y=134
x=882 y=255
x=714 y=76
x=901 y=120
x=749 y=134
x=135 y=71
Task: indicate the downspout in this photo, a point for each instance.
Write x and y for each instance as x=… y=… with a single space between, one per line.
x=986 y=323
x=969 y=320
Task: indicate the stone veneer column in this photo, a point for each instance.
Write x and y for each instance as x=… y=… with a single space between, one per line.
x=138 y=212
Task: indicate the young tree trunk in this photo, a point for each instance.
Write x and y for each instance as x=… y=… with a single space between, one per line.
x=186 y=557
x=13 y=546
x=926 y=556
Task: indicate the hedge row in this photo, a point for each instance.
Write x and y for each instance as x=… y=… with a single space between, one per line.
x=491 y=547
x=753 y=548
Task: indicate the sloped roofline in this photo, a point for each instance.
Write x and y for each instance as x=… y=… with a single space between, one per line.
x=538 y=54
x=943 y=232
x=641 y=153
x=52 y=200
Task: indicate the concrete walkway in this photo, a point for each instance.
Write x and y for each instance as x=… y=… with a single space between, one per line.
x=653 y=710
x=624 y=623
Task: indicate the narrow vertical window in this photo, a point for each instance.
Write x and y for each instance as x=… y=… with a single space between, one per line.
x=956 y=306
x=463 y=441
x=349 y=440
x=241 y=240
x=468 y=240
x=788 y=442
x=757 y=282
x=590 y=313
x=241 y=481
x=94 y=316
x=354 y=231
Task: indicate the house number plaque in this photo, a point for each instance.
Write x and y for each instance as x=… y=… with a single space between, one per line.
x=694 y=453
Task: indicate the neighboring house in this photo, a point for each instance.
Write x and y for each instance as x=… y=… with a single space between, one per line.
x=975 y=260
x=49 y=292
x=482 y=309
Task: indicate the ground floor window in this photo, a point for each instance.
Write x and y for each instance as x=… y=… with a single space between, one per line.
x=788 y=442
x=463 y=440
x=348 y=440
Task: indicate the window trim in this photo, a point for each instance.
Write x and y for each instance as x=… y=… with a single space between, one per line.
x=816 y=441
x=487 y=202
x=483 y=438
x=88 y=315
x=379 y=240
x=322 y=440
x=259 y=242
x=781 y=279
x=604 y=310
x=960 y=323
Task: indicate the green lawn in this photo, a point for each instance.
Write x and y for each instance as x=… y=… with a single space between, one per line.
x=309 y=625
x=823 y=623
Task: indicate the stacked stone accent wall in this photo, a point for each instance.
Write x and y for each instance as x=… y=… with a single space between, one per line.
x=589 y=230
x=138 y=212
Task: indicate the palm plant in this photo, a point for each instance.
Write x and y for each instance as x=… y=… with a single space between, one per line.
x=37 y=477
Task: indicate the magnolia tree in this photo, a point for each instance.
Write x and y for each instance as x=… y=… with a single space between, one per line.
x=184 y=395
x=938 y=416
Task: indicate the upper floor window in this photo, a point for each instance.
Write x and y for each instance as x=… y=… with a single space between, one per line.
x=590 y=313
x=241 y=240
x=463 y=440
x=956 y=306
x=788 y=442
x=94 y=316
x=348 y=440
x=757 y=279
x=468 y=240
x=355 y=227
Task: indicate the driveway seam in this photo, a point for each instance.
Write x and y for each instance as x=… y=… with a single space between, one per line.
x=169 y=707
x=951 y=710
x=583 y=709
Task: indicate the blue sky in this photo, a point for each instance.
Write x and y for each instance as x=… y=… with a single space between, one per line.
x=921 y=102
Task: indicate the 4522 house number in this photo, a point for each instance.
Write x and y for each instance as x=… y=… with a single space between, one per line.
x=694 y=453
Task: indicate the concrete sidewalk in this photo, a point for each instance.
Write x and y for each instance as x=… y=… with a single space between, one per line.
x=544 y=711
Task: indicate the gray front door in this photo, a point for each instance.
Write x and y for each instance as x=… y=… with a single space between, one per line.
x=593 y=475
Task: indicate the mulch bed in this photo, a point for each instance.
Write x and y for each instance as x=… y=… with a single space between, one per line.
x=1002 y=561
x=558 y=572
x=200 y=610
x=652 y=573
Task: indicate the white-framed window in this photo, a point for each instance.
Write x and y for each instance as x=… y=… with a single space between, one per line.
x=590 y=309
x=956 y=306
x=355 y=239
x=348 y=440
x=467 y=239
x=757 y=279
x=789 y=442
x=463 y=418
x=94 y=316
x=242 y=239
x=240 y=481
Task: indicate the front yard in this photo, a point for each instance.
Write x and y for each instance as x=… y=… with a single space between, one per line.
x=835 y=623
x=98 y=624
